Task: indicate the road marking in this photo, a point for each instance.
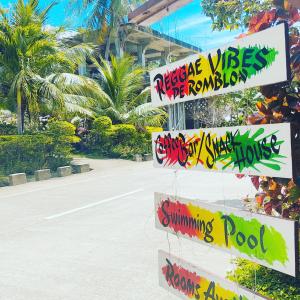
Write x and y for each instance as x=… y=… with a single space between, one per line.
x=92 y=204
x=55 y=186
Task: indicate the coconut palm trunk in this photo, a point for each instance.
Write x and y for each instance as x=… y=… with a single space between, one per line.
x=19 y=111
x=107 y=46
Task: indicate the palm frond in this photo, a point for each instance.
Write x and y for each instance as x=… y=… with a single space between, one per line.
x=44 y=14
x=146 y=115
x=37 y=65
x=78 y=104
x=48 y=91
x=141 y=98
x=112 y=113
x=79 y=53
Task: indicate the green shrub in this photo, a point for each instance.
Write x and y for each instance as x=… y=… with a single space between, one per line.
x=125 y=134
x=8 y=129
x=120 y=151
x=270 y=283
x=27 y=153
x=24 y=153
x=99 y=138
x=121 y=140
x=128 y=141
x=61 y=130
x=102 y=123
x=3 y=181
x=152 y=129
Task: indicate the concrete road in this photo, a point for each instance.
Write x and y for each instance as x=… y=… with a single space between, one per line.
x=92 y=236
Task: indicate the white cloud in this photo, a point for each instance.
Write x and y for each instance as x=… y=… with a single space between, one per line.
x=49 y=28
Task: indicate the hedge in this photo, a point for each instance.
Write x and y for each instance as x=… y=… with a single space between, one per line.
x=120 y=140
x=8 y=129
x=27 y=153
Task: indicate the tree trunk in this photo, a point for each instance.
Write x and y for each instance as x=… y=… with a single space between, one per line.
x=107 y=46
x=118 y=47
x=118 y=43
x=19 y=112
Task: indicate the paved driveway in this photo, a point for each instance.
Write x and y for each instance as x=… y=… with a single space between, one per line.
x=91 y=236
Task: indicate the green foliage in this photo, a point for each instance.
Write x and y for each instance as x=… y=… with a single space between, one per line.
x=235 y=107
x=152 y=129
x=102 y=123
x=270 y=283
x=36 y=74
x=104 y=18
x=121 y=140
x=232 y=14
x=122 y=83
x=128 y=141
x=62 y=130
x=125 y=134
x=23 y=153
x=99 y=137
x=121 y=151
x=3 y=181
x=27 y=153
x=7 y=129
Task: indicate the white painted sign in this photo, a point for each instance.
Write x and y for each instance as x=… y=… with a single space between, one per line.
x=256 y=60
x=190 y=282
x=266 y=240
x=263 y=150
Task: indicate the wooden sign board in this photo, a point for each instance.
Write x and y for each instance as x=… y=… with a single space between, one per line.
x=263 y=150
x=256 y=60
x=266 y=240
x=189 y=282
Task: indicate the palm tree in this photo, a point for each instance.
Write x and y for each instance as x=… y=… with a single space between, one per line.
x=36 y=69
x=105 y=17
x=122 y=83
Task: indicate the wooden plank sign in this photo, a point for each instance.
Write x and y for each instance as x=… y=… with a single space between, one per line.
x=189 y=282
x=252 y=150
x=256 y=60
x=266 y=240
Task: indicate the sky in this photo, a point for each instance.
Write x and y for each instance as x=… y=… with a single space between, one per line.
x=188 y=24
x=192 y=26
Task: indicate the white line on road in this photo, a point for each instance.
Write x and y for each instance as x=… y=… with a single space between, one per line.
x=92 y=204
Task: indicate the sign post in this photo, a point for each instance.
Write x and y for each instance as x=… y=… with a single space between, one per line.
x=256 y=60
x=189 y=282
x=267 y=240
x=262 y=150
x=252 y=150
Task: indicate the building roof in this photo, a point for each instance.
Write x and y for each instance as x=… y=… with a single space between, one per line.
x=153 y=10
x=155 y=45
x=157 y=42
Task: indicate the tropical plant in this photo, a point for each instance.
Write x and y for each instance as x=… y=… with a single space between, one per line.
x=280 y=196
x=280 y=103
x=105 y=18
x=36 y=68
x=119 y=140
x=237 y=106
x=232 y=14
x=122 y=83
x=27 y=153
x=267 y=282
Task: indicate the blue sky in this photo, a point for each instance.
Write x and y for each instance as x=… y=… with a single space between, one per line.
x=192 y=26
x=188 y=24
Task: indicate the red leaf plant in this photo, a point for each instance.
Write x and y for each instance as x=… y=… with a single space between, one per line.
x=280 y=196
